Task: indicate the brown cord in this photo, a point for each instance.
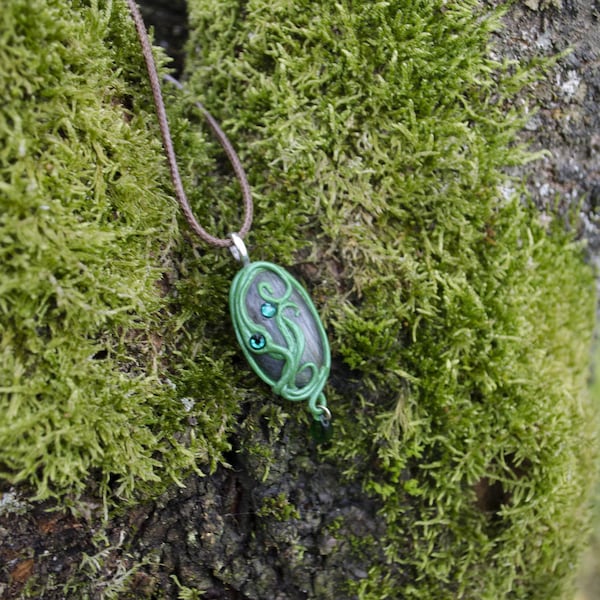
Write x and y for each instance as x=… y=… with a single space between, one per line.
x=163 y=124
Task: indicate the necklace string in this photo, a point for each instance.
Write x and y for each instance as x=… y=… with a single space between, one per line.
x=167 y=140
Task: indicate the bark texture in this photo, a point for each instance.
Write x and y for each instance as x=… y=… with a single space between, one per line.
x=567 y=122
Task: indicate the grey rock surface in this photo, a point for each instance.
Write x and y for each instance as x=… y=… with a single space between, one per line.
x=565 y=121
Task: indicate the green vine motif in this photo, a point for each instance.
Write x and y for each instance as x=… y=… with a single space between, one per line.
x=281 y=334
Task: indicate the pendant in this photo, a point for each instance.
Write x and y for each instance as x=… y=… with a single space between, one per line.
x=280 y=333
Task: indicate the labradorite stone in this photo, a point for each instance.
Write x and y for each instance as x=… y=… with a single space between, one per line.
x=280 y=308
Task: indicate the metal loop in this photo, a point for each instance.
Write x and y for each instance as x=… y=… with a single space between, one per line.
x=239 y=251
x=325 y=416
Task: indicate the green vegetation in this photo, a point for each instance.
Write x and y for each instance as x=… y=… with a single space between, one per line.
x=94 y=357
x=589 y=576
x=381 y=130
x=278 y=507
x=375 y=134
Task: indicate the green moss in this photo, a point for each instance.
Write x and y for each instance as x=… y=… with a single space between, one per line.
x=186 y=593
x=96 y=352
x=377 y=135
x=279 y=508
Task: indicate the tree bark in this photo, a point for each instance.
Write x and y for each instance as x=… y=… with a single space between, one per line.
x=233 y=533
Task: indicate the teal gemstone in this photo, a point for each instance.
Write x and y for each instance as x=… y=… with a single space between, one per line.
x=257 y=341
x=268 y=310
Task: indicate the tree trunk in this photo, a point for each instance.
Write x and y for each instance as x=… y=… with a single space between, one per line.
x=281 y=517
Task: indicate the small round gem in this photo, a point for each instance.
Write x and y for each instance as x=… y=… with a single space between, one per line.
x=268 y=310
x=257 y=341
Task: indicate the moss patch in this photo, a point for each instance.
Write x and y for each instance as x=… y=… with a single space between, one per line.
x=95 y=351
x=377 y=134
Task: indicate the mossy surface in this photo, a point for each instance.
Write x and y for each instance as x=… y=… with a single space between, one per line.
x=94 y=359
x=375 y=135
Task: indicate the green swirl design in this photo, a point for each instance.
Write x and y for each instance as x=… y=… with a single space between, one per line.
x=272 y=326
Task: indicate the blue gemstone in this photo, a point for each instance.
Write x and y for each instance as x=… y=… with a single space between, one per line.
x=257 y=341
x=268 y=310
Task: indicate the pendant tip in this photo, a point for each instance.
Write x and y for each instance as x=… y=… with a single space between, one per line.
x=321 y=430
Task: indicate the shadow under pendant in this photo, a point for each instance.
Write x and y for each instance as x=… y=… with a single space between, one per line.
x=281 y=334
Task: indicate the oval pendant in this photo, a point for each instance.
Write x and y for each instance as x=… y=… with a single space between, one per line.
x=281 y=334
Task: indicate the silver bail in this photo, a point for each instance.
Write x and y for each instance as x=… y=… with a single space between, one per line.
x=238 y=250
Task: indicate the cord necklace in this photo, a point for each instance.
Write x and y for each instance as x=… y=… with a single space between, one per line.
x=276 y=323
